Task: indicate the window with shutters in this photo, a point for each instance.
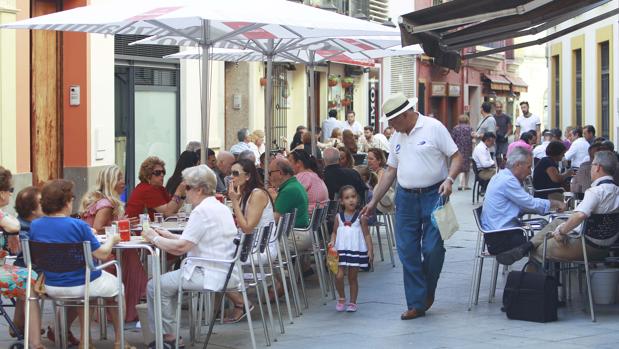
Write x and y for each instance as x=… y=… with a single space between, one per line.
x=379 y=10
x=403 y=75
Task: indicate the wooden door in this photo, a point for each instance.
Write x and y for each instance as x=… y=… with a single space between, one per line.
x=46 y=97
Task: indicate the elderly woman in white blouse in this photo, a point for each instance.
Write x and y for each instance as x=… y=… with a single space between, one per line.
x=209 y=233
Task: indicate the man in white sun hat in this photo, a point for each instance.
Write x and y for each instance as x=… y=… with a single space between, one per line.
x=420 y=152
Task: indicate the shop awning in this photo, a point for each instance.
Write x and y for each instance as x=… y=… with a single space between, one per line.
x=518 y=85
x=444 y=29
x=497 y=82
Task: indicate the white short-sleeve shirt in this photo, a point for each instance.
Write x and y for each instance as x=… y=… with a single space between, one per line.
x=528 y=124
x=421 y=156
x=211 y=228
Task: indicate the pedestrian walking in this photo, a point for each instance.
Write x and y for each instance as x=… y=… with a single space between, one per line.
x=420 y=151
x=461 y=134
x=351 y=238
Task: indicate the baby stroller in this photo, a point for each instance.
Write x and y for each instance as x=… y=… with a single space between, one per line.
x=19 y=335
x=8 y=294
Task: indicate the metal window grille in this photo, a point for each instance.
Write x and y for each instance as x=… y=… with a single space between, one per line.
x=578 y=84
x=281 y=96
x=605 y=89
x=557 y=91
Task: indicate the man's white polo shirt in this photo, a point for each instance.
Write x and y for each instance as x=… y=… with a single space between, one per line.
x=421 y=156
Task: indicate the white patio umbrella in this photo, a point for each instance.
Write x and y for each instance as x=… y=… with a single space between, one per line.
x=310 y=56
x=297 y=50
x=208 y=23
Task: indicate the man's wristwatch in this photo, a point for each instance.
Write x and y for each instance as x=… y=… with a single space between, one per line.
x=450 y=179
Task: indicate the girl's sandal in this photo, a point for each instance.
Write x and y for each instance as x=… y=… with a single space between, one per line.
x=340 y=305
x=243 y=314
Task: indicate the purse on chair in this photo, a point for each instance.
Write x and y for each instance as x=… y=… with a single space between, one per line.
x=531 y=296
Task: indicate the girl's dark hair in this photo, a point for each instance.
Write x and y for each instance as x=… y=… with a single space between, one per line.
x=296 y=139
x=308 y=160
x=253 y=181
x=340 y=193
x=185 y=160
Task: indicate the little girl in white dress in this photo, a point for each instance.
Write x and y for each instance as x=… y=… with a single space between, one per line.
x=351 y=238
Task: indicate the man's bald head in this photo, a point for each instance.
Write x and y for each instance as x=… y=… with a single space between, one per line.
x=331 y=156
x=225 y=159
x=280 y=170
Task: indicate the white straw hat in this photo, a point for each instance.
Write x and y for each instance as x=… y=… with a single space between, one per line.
x=395 y=105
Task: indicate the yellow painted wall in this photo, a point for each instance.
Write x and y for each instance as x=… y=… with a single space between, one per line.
x=8 y=80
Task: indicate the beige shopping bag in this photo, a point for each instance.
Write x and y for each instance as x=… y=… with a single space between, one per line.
x=444 y=218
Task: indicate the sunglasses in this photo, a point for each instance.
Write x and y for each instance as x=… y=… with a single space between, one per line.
x=271 y=172
x=237 y=173
x=158 y=173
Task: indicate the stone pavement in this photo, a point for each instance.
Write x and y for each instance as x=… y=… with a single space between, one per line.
x=447 y=325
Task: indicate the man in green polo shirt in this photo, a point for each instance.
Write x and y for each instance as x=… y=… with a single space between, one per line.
x=290 y=193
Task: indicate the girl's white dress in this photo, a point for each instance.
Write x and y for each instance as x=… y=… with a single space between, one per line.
x=349 y=241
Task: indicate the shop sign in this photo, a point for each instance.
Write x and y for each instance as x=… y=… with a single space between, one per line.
x=373 y=104
x=439 y=89
x=454 y=90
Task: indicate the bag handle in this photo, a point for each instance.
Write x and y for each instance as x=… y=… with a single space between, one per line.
x=520 y=279
x=482 y=123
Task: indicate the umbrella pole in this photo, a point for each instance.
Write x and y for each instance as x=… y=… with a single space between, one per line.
x=205 y=98
x=312 y=84
x=268 y=114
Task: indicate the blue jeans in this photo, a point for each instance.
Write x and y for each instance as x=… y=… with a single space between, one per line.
x=420 y=245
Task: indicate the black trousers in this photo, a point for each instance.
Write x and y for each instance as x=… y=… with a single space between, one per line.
x=501 y=242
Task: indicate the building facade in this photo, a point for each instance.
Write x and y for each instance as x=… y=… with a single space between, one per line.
x=583 y=74
x=446 y=94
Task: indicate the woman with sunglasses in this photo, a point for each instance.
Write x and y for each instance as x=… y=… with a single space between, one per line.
x=150 y=195
x=253 y=209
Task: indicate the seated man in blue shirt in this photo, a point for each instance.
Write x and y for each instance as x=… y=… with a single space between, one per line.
x=506 y=200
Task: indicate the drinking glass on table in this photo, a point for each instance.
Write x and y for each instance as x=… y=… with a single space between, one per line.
x=181 y=218
x=158 y=219
x=110 y=232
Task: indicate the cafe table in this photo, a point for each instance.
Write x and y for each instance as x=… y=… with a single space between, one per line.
x=138 y=243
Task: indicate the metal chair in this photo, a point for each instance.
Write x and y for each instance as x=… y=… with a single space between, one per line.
x=331 y=210
x=64 y=258
x=243 y=251
x=387 y=224
x=313 y=230
x=259 y=277
x=478 y=183
x=285 y=261
x=481 y=254
x=598 y=226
